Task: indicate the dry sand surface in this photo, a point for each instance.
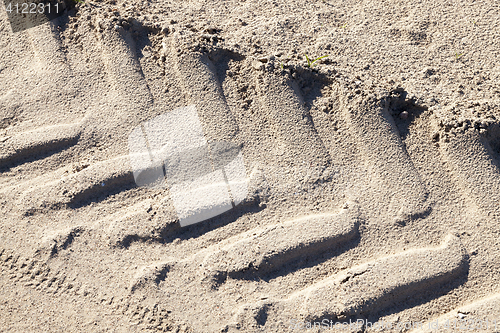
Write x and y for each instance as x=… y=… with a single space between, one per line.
x=371 y=178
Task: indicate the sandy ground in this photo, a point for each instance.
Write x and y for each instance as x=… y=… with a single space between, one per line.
x=373 y=180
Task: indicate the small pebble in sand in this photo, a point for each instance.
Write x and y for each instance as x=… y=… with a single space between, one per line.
x=403 y=115
x=117 y=27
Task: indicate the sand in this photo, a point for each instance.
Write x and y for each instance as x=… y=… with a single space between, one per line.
x=363 y=187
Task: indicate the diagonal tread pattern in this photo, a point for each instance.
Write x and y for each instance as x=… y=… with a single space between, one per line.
x=267 y=248
x=368 y=287
x=386 y=157
x=77 y=188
